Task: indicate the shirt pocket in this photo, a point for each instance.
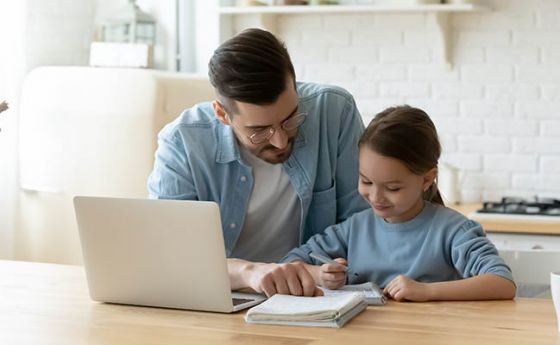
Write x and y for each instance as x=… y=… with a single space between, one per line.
x=322 y=211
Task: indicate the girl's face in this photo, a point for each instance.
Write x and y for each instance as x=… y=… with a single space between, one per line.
x=393 y=191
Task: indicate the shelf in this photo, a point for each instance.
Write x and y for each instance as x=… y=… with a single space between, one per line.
x=319 y=9
x=265 y=17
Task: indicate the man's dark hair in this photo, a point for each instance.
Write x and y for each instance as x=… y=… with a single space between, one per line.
x=251 y=67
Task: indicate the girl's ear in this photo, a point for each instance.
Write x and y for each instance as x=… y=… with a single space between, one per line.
x=429 y=178
x=220 y=112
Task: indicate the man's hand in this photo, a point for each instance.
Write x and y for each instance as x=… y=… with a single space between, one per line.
x=333 y=276
x=403 y=288
x=287 y=279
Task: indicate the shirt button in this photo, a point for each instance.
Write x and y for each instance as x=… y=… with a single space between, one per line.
x=243 y=178
x=232 y=225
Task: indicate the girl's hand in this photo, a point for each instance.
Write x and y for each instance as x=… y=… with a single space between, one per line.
x=403 y=288
x=333 y=276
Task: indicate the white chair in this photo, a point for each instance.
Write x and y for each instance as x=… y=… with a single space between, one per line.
x=531 y=270
x=89 y=131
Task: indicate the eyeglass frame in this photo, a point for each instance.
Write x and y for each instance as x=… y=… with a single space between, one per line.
x=271 y=130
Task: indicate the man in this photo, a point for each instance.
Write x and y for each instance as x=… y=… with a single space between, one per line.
x=279 y=157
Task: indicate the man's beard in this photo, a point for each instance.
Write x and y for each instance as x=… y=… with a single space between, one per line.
x=273 y=158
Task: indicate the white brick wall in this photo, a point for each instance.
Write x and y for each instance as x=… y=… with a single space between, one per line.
x=497 y=110
x=509 y=127
x=510 y=162
x=550 y=128
x=550 y=165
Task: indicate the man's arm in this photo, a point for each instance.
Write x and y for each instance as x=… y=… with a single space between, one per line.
x=287 y=278
x=171 y=177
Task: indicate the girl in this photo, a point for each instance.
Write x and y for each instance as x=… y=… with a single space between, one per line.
x=411 y=244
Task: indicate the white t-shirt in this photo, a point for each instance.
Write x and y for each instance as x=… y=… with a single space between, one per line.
x=272 y=222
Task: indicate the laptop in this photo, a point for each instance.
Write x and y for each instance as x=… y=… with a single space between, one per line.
x=159 y=253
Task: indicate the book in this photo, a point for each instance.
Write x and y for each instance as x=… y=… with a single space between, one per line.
x=323 y=311
x=370 y=290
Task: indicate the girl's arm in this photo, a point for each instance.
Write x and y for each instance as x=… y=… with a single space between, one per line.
x=483 y=287
x=332 y=243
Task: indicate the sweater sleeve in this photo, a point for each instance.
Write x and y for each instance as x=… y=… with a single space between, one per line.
x=333 y=242
x=473 y=254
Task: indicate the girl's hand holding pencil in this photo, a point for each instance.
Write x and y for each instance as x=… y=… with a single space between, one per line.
x=332 y=273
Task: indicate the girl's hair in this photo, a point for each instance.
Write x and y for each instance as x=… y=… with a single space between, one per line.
x=407 y=134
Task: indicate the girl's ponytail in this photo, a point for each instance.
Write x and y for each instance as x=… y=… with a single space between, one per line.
x=433 y=195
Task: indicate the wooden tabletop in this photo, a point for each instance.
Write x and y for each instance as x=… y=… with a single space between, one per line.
x=501 y=223
x=49 y=304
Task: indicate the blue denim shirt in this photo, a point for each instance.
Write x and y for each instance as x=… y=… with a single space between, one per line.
x=198 y=158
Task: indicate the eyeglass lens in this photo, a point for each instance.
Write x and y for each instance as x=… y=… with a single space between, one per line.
x=288 y=125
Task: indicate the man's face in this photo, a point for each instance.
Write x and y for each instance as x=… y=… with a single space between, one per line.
x=253 y=122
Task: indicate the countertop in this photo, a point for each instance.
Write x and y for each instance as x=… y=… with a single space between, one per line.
x=510 y=223
x=49 y=304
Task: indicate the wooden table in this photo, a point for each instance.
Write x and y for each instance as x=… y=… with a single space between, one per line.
x=499 y=223
x=49 y=304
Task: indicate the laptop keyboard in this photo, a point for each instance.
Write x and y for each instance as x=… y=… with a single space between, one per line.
x=238 y=301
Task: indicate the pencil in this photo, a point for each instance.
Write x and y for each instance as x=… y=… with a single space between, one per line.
x=326 y=260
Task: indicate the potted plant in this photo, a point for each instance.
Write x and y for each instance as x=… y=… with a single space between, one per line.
x=3 y=107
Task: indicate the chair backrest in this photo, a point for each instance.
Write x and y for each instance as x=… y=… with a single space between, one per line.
x=89 y=131
x=531 y=270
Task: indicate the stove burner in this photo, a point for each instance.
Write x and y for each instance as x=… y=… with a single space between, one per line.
x=509 y=205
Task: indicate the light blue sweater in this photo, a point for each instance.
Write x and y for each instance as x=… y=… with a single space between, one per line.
x=439 y=244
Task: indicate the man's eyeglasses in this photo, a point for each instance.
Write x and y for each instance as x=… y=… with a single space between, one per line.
x=290 y=125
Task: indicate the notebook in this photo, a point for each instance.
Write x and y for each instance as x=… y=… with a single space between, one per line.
x=371 y=292
x=324 y=311
x=160 y=253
